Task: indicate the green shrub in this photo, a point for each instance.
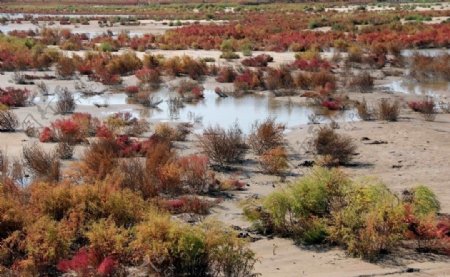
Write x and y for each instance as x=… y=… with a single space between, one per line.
x=363 y=217
x=47 y=242
x=371 y=223
x=107 y=239
x=229 y=55
x=424 y=201
x=298 y=209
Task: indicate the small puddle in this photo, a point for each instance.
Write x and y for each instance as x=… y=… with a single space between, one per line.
x=212 y=110
x=245 y=110
x=102 y=99
x=425 y=52
x=435 y=90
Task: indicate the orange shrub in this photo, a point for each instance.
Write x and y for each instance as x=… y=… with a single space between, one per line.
x=195 y=172
x=274 y=161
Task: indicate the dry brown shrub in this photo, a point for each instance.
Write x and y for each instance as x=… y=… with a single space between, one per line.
x=8 y=121
x=388 y=111
x=66 y=102
x=169 y=133
x=274 y=161
x=339 y=147
x=363 y=82
x=223 y=146
x=364 y=111
x=280 y=78
x=158 y=154
x=322 y=79
x=303 y=81
x=99 y=159
x=425 y=68
x=64 y=150
x=265 y=135
x=134 y=176
x=43 y=165
x=65 y=67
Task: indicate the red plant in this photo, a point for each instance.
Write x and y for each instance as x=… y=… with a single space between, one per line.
x=190 y=89
x=107 y=266
x=247 y=80
x=84 y=264
x=85 y=69
x=128 y=147
x=443 y=228
x=47 y=135
x=314 y=64
x=226 y=75
x=258 y=61
x=66 y=129
x=174 y=204
x=421 y=106
x=148 y=76
x=332 y=105
x=105 y=77
x=131 y=90
x=14 y=97
x=195 y=172
x=80 y=263
x=187 y=204
x=104 y=132
x=142 y=43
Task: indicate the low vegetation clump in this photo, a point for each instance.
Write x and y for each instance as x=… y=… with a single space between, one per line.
x=365 y=112
x=65 y=67
x=66 y=102
x=149 y=77
x=315 y=80
x=280 y=78
x=42 y=165
x=124 y=123
x=8 y=121
x=274 y=161
x=388 y=111
x=185 y=65
x=339 y=148
x=426 y=68
x=261 y=60
x=248 y=80
x=97 y=230
x=229 y=55
x=426 y=107
x=314 y=64
x=265 y=135
x=14 y=97
x=170 y=133
x=226 y=75
x=190 y=90
x=65 y=150
x=363 y=82
x=74 y=129
x=124 y=64
x=364 y=217
x=223 y=147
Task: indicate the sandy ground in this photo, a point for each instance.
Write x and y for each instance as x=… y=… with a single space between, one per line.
x=386 y=7
x=147 y=26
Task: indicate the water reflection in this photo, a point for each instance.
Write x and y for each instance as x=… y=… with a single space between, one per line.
x=213 y=110
x=435 y=89
x=425 y=52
